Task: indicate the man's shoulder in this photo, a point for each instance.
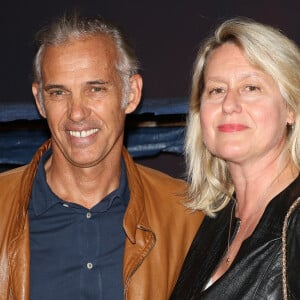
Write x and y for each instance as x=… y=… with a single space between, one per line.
x=11 y=181
x=159 y=187
x=165 y=197
x=12 y=173
x=11 y=185
x=156 y=176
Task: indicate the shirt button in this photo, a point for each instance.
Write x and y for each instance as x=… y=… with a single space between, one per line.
x=88 y=215
x=89 y=266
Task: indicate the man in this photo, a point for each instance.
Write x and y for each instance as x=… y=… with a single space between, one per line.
x=82 y=220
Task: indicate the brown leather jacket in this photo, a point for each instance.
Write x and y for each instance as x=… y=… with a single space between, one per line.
x=159 y=231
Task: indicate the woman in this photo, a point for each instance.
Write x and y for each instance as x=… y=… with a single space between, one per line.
x=243 y=157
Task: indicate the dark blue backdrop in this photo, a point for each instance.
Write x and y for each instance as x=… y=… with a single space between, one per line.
x=166 y=35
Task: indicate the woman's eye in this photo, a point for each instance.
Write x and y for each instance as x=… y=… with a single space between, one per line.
x=252 y=88
x=216 y=91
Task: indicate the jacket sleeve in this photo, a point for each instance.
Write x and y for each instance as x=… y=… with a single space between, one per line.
x=293 y=254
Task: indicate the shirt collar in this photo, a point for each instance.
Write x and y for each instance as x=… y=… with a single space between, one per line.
x=121 y=194
x=42 y=197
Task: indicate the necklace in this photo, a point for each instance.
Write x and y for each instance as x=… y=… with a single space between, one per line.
x=228 y=255
x=228 y=260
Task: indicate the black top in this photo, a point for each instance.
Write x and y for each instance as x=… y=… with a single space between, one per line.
x=256 y=272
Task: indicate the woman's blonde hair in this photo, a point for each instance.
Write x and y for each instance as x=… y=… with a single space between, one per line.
x=266 y=48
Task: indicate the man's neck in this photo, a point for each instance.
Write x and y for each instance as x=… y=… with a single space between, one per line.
x=84 y=186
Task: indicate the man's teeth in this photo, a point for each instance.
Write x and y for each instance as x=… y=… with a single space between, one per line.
x=83 y=133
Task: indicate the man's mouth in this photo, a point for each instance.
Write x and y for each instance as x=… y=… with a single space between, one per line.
x=83 y=133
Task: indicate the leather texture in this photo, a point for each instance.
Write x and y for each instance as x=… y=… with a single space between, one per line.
x=159 y=231
x=256 y=272
x=293 y=253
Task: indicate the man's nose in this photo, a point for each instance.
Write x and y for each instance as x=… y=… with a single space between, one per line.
x=78 y=108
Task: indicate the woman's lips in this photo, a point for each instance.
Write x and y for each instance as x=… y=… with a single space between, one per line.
x=232 y=127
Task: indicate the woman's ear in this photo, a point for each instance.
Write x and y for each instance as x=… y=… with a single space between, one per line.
x=35 y=91
x=290 y=120
x=135 y=93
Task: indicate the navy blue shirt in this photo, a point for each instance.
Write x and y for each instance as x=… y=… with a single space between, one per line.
x=76 y=253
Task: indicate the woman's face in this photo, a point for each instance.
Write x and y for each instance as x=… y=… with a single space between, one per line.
x=243 y=114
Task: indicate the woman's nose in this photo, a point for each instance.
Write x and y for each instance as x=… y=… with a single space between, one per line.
x=231 y=103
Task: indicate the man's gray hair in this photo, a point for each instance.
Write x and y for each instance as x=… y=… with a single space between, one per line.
x=65 y=28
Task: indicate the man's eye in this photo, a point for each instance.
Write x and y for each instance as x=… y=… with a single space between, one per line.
x=97 y=89
x=56 y=93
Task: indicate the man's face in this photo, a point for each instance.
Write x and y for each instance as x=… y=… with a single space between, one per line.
x=82 y=94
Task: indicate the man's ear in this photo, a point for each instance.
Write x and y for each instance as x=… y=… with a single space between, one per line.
x=135 y=93
x=35 y=91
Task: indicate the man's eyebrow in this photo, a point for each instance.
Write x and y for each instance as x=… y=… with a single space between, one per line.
x=60 y=86
x=53 y=86
x=97 y=82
